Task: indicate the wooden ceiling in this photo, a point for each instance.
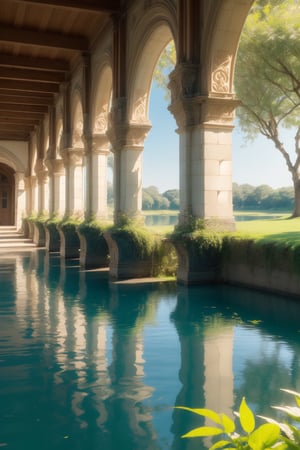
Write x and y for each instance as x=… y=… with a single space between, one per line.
x=40 y=42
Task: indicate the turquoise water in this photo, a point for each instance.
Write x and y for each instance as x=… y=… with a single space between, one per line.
x=86 y=364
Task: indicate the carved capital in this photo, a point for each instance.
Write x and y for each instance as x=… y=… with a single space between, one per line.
x=184 y=81
x=203 y=110
x=39 y=166
x=55 y=166
x=136 y=134
x=117 y=123
x=97 y=143
x=219 y=111
x=72 y=156
x=42 y=177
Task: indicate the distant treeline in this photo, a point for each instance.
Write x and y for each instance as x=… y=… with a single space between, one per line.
x=245 y=197
x=263 y=197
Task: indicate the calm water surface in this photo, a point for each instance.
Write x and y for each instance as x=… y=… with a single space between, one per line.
x=87 y=365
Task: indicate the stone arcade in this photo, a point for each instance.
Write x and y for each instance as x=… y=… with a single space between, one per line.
x=75 y=79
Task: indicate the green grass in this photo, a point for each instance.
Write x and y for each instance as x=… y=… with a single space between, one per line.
x=285 y=229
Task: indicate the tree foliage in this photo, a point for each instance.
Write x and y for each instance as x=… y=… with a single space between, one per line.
x=262 y=198
x=267 y=79
x=152 y=199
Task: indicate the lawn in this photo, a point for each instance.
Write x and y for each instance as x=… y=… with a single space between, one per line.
x=283 y=229
x=279 y=227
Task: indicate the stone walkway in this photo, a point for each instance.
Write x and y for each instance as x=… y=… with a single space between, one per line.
x=11 y=239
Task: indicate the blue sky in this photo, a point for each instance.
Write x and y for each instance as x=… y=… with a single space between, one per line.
x=254 y=163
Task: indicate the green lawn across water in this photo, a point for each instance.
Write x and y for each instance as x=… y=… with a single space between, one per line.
x=279 y=227
x=283 y=229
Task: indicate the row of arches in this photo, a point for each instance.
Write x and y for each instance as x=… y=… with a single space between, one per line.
x=105 y=107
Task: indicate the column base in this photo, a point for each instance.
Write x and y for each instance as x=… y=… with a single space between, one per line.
x=197 y=266
x=69 y=241
x=125 y=258
x=52 y=237
x=93 y=248
x=39 y=234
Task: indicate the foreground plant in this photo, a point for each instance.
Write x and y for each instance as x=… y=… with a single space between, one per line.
x=273 y=434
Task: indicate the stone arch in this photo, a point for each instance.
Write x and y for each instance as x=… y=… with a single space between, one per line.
x=77 y=120
x=159 y=28
x=9 y=159
x=102 y=94
x=223 y=44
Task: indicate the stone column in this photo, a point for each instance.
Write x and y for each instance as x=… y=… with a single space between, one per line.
x=97 y=151
x=42 y=186
x=72 y=158
x=127 y=144
x=57 y=188
x=20 y=199
x=205 y=126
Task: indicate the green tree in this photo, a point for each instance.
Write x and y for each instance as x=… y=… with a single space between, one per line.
x=267 y=79
x=172 y=195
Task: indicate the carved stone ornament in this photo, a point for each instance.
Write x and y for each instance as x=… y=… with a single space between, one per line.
x=183 y=81
x=137 y=134
x=101 y=121
x=55 y=166
x=220 y=78
x=219 y=111
x=39 y=166
x=140 y=109
x=42 y=176
x=100 y=144
x=77 y=134
x=117 y=123
x=72 y=156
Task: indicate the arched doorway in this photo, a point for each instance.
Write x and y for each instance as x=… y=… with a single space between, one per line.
x=7 y=197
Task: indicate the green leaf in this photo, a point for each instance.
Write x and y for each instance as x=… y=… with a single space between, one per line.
x=228 y=424
x=203 y=432
x=219 y=444
x=212 y=415
x=265 y=436
x=296 y=394
x=246 y=417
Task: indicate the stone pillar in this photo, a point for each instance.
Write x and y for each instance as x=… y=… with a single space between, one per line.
x=127 y=144
x=20 y=199
x=57 y=188
x=34 y=194
x=97 y=151
x=72 y=158
x=205 y=126
x=42 y=186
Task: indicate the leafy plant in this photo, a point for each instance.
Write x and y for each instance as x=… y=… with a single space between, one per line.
x=273 y=434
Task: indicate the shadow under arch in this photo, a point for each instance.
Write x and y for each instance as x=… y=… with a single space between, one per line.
x=102 y=92
x=145 y=62
x=225 y=27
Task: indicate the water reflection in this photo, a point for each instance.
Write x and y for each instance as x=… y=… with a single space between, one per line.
x=88 y=364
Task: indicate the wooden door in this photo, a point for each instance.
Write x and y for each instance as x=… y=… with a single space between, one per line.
x=6 y=200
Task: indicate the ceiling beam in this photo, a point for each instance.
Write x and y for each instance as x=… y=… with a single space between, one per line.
x=10 y=136
x=101 y=6
x=31 y=86
x=29 y=115
x=33 y=75
x=25 y=36
x=14 y=127
x=56 y=65
x=21 y=100
x=23 y=108
x=19 y=121
x=26 y=94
